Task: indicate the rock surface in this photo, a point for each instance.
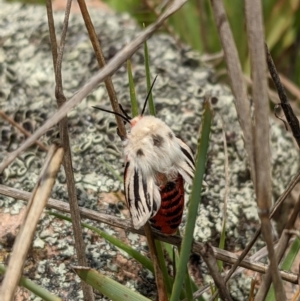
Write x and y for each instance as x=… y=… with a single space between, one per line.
x=27 y=96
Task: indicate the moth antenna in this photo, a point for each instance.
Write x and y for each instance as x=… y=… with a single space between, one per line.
x=145 y=103
x=115 y=113
x=124 y=112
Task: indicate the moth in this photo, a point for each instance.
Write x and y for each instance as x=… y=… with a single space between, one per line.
x=156 y=165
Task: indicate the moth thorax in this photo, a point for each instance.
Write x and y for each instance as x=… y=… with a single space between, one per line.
x=161 y=179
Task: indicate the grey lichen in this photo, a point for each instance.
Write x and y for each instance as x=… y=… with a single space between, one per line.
x=27 y=95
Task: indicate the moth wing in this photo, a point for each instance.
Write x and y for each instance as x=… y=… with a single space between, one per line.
x=142 y=195
x=187 y=166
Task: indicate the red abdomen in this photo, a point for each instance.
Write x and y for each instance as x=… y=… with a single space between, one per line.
x=168 y=217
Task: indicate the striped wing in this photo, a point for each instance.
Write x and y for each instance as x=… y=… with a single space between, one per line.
x=187 y=166
x=142 y=195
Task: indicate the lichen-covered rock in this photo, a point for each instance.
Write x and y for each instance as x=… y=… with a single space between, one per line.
x=27 y=95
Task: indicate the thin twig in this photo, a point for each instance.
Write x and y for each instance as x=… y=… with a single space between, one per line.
x=281 y=247
x=290 y=86
x=284 y=103
x=296 y=297
x=161 y=290
x=235 y=74
x=211 y=263
x=262 y=156
x=275 y=207
x=52 y=34
x=101 y=63
x=107 y=70
x=113 y=221
x=35 y=206
x=22 y=130
x=168 y=28
x=64 y=136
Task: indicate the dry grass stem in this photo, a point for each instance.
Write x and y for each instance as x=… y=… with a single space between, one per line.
x=281 y=199
x=35 y=206
x=101 y=62
x=236 y=78
x=58 y=56
x=232 y=258
x=213 y=58
x=107 y=70
x=290 y=86
x=281 y=245
x=296 y=297
x=223 y=255
x=168 y=28
x=208 y=256
x=65 y=207
x=284 y=103
x=160 y=285
x=64 y=135
x=200 y=292
x=277 y=204
x=255 y=34
x=52 y=34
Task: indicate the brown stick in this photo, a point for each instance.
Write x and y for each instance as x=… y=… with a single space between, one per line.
x=64 y=136
x=210 y=260
x=223 y=255
x=161 y=290
x=101 y=63
x=235 y=74
x=262 y=155
x=35 y=206
x=281 y=248
x=284 y=103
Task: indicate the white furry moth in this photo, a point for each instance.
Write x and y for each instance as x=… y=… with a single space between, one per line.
x=156 y=163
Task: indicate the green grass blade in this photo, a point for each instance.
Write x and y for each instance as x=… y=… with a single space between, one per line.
x=163 y=267
x=175 y=261
x=133 y=101
x=193 y=203
x=291 y=256
x=224 y=211
x=286 y=265
x=169 y=250
x=279 y=21
x=108 y=287
x=146 y=262
x=34 y=288
x=192 y=30
x=188 y=287
x=148 y=80
x=222 y=242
